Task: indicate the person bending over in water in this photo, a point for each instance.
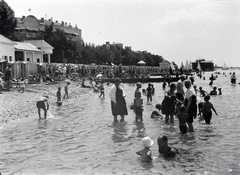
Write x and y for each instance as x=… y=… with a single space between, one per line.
x=156 y=113
x=44 y=105
x=84 y=85
x=164 y=149
x=146 y=153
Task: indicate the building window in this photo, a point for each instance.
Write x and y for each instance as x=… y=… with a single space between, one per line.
x=4 y=57
x=10 y=58
x=38 y=60
x=28 y=59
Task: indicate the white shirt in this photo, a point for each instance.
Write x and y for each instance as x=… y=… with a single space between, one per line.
x=190 y=92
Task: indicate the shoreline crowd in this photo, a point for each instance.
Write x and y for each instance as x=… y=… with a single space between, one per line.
x=178 y=101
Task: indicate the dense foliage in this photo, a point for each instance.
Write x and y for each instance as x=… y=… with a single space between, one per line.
x=70 y=51
x=8 y=21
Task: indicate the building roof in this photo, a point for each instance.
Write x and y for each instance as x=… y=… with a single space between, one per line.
x=31 y=23
x=26 y=46
x=5 y=40
x=39 y=43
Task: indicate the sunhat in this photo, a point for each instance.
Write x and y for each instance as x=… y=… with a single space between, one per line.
x=138 y=84
x=44 y=98
x=147 y=142
x=117 y=80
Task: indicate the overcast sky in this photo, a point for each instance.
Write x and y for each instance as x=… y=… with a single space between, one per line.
x=178 y=30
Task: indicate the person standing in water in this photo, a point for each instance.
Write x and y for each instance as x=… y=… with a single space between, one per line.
x=190 y=103
x=118 y=103
x=138 y=104
x=207 y=110
x=66 y=90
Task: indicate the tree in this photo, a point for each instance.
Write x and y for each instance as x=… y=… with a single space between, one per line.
x=8 y=22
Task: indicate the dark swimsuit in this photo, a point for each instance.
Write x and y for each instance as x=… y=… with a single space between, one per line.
x=41 y=104
x=207 y=115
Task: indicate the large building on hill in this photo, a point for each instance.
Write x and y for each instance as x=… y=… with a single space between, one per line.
x=31 y=27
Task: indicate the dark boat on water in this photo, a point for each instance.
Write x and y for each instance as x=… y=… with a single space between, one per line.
x=142 y=80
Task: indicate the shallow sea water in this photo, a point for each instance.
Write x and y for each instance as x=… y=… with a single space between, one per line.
x=82 y=138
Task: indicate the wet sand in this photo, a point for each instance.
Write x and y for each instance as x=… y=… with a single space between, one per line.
x=15 y=105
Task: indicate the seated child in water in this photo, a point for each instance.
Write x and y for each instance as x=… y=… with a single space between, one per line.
x=146 y=153
x=214 y=91
x=207 y=110
x=156 y=113
x=138 y=102
x=164 y=149
x=182 y=116
x=219 y=91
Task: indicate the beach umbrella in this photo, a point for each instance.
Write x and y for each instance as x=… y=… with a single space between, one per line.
x=99 y=75
x=141 y=62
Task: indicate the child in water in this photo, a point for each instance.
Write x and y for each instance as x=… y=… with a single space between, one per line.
x=153 y=89
x=219 y=91
x=66 y=90
x=101 y=87
x=139 y=86
x=44 y=105
x=138 y=102
x=149 y=93
x=207 y=109
x=214 y=91
x=202 y=92
x=164 y=149
x=164 y=85
x=59 y=100
x=146 y=153
x=182 y=116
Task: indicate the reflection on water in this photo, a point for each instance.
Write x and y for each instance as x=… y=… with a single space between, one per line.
x=82 y=138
